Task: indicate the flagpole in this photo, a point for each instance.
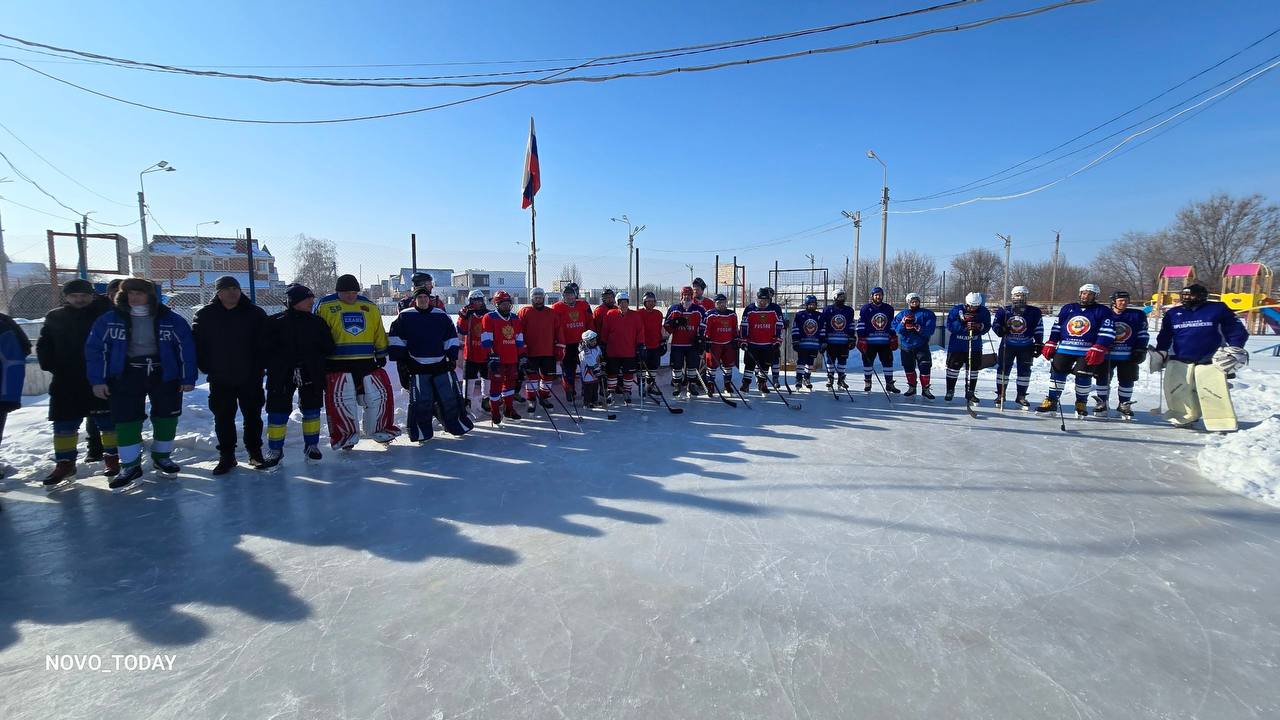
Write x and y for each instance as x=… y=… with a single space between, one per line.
x=533 y=245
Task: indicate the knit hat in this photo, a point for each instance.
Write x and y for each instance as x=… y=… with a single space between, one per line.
x=421 y=290
x=347 y=283
x=296 y=293
x=138 y=285
x=77 y=286
x=227 y=281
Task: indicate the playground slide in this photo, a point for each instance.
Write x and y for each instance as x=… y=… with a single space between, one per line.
x=1271 y=316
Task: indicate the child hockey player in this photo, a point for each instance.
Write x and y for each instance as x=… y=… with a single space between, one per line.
x=592 y=369
x=475 y=356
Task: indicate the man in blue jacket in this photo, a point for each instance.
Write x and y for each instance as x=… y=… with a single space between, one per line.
x=139 y=351
x=967 y=323
x=1198 y=332
x=915 y=326
x=1020 y=328
x=14 y=349
x=424 y=343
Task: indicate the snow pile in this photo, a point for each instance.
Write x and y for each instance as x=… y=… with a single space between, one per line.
x=1248 y=461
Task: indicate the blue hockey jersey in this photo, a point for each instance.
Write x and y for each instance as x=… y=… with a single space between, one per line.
x=961 y=339
x=423 y=337
x=1131 y=332
x=1019 y=327
x=875 y=323
x=915 y=328
x=806 y=330
x=1080 y=327
x=1196 y=333
x=838 y=325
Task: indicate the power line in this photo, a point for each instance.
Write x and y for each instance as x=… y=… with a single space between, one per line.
x=975 y=183
x=38 y=210
x=50 y=195
x=1103 y=156
x=599 y=61
x=59 y=170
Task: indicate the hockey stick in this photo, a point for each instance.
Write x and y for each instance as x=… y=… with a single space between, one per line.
x=661 y=395
x=772 y=382
x=1004 y=387
x=885 y=390
x=784 y=369
x=550 y=419
x=702 y=365
x=565 y=408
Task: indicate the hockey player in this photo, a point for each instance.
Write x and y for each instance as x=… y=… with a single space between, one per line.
x=720 y=331
x=503 y=337
x=1123 y=357
x=877 y=340
x=573 y=315
x=60 y=349
x=651 y=318
x=141 y=350
x=474 y=354
x=425 y=343
x=806 y=341
x=1020 y=328
x=1192 y=336
x=295 y=344
x=699 y=295
x=837 y=322
x=684 y=323
x=541 y=338
x=761 y=332
x=968 y=324
x=356 y=376
x=421 y=280
x=607 y=303
x=915 y=327
x=623 y=341
x=592 y=369
x=226 y=333
x=1078 y=343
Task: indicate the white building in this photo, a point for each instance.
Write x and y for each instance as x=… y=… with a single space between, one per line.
x=490 y=281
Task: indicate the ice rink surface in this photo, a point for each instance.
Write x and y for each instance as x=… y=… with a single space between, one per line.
x=848 y=560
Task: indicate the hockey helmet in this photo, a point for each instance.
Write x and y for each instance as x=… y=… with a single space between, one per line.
x=475 y=295
x=537 y=292
x=1117 y=294
x=624 y=296
x=420 y=279
x=686 y=291
x=1194 y=294
x=877 y=291
x=975 y=299
x=913 y=296
x=813 y=299
x=1022 y=290
x=721 y=297
x=1090 y=287
x=607 y=292
x=649 y=295
x=589 y=337
x=762 y=293
x=502 y=296
x=570 y=289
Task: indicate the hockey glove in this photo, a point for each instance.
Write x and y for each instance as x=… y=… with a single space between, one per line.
x=893 y=342
x=494 y=363
x=1096 y=355
x=1038 y=349
x=1048 y=349
x=1229 y=359
x=1137 y=356
x=1156 y=360
x=862 y=345
x=380 y=360
x=559 y=353
x=973 y=326
x=522 y=363
x=662 y=349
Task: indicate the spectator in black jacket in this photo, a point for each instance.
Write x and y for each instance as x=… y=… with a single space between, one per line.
x=295 y=344
x=60 y=350
x=226 y=334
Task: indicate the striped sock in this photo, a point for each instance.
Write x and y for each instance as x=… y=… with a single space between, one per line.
x=163 y=430
x=66 y=435
x=129 y=437
x=277 y=425
x=310 y=426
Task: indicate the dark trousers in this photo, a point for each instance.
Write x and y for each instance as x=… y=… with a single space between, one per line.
x=223 y=400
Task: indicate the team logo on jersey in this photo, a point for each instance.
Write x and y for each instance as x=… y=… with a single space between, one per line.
x=508 y=332
x=573 y=316
x=838 y=322
x=353 y=322
x=811 y=326
x=879 y=321
x=1078 y=325
x=1123 y=332
x=1017 y=324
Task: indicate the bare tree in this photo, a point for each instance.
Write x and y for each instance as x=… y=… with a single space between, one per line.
x=908 y=271
x=1212 y=233
x=1133 y=262
x=977 y=270
x=569 y=274
x=315 y=262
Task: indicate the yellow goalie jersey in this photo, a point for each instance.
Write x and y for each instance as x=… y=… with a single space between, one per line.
x=356 y=328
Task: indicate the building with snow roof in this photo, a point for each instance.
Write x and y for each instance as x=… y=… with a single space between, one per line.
x=178 y=262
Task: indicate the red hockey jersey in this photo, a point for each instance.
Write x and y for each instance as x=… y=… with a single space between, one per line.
x=598 y=314
x=707 y=304
x=652 y=322
x=720 y=328
x=504 y=336
x=541 y=331
x=683 y=335
x=623 y=333
x=573 y=321
x=470 y=331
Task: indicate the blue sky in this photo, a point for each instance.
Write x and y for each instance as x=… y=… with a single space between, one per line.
x=719 y=160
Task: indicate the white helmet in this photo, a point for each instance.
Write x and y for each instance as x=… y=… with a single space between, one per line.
x=975 y=299
x=1090 y=287
x=624 y=295
x=1022 y=290
x=536 y=292
x=913 y=296
x=589 y=336
x=476 y=294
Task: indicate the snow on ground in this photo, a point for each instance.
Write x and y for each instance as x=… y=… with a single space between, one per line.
x=1248 y=461
x=851 y=559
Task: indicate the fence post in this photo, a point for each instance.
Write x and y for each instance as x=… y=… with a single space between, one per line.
x=253 y=273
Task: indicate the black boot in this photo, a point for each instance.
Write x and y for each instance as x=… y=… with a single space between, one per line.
x=226 y=464
x=256 y=461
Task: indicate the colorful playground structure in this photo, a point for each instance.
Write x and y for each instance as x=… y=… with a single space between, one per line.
x=1246 y=288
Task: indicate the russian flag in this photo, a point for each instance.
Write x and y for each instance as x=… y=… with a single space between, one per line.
x=532 y=173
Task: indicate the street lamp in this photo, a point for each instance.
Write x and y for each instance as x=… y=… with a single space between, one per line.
x=4 y=264
x=631 y=241
x=200 y=260
x=163 y=165
x=884 y=213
